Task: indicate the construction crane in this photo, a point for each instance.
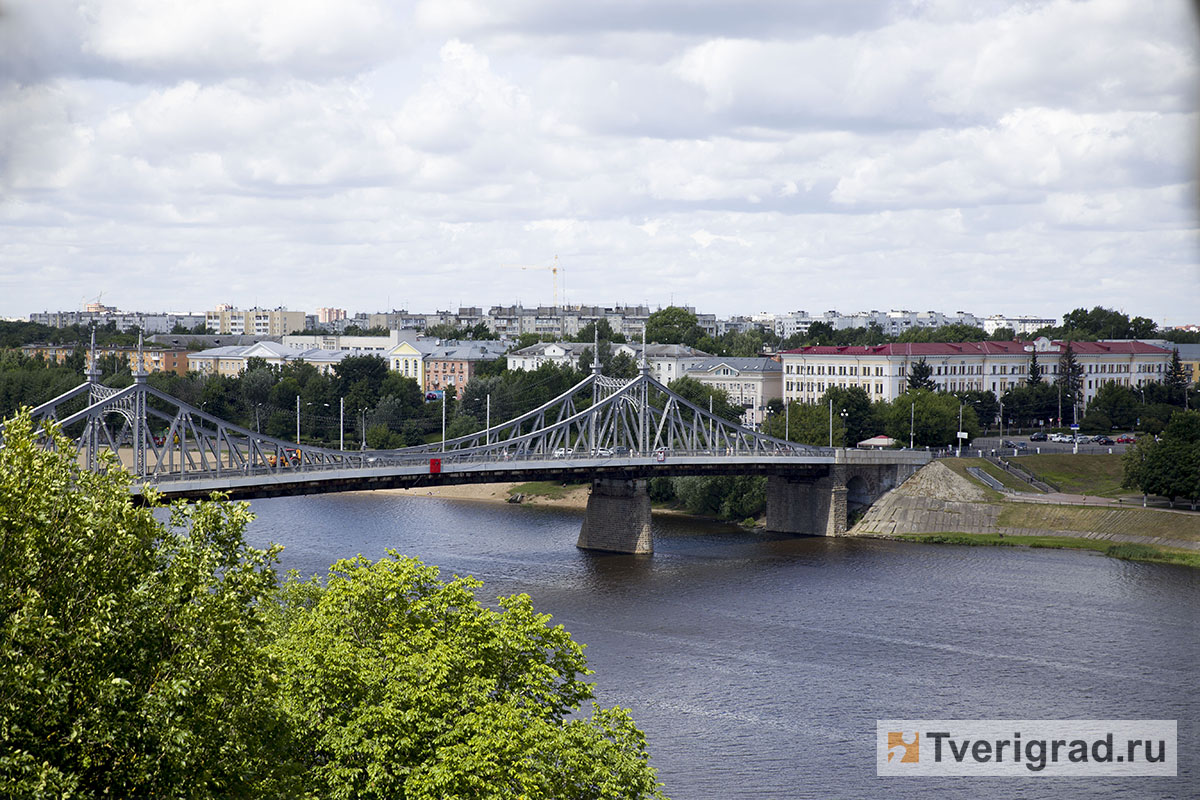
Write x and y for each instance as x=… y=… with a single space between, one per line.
x=554 y=274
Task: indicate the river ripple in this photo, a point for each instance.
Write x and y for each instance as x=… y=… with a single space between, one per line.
x=757 y=664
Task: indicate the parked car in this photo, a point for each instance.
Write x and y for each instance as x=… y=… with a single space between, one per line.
x=1058 y=437
x=1102 y=439
x=1038 y=437
x=621 y=451
x=602 y=452
x=563 y=452
x=1127 y=438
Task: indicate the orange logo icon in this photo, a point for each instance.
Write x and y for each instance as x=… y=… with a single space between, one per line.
x=909 y=752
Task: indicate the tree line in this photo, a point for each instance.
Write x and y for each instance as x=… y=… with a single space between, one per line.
x=150 y=658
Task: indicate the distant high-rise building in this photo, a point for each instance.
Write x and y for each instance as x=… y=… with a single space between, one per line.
x=256 y=321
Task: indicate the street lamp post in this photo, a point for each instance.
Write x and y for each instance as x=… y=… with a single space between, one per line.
x=958 y=452
x=844 y=414
x=297 y=419
x=831 y=422
x=787 y=421
x=341 y=423
x=912 y=420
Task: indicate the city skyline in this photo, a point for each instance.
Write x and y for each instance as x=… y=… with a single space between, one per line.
x=1006 y=158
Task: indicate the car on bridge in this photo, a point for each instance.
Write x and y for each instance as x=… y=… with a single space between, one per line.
x=563 y=452
x=603 y=452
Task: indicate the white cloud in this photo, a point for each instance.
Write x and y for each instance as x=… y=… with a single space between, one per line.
x=929 y=154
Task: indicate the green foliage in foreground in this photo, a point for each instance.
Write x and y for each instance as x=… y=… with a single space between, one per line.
x=139 y=659
x=1128 y=552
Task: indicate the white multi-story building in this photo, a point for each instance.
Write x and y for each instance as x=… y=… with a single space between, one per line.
x=100 y=315
x=749 y=382
x=359 y=345
x=893 y=323
x=882 y=370
x=666 y=361
x=1023 y=326
x=670 y=361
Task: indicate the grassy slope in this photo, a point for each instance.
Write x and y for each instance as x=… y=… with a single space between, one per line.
x=554 y=491
x=1132 y=552
x=1132 y=521
x=1097 y=475
x=959 y=465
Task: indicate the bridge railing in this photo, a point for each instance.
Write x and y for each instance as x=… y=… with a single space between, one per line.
x=454 y=461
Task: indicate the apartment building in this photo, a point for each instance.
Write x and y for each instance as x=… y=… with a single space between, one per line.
x=124 y=321
x=256 y=321
x=451 y=365
x=882 y=370
x=1022 y=326
x=666 y=361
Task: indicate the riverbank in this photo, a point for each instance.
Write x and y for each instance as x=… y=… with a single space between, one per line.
x=574 y=496
x=941 y=504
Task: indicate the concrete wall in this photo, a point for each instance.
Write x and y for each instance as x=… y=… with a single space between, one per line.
x=819 y=506
x=617 y=519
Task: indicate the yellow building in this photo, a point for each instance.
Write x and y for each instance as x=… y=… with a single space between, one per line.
x=407 y=360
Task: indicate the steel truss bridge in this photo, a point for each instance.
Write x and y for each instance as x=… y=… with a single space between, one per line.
x=599 y=428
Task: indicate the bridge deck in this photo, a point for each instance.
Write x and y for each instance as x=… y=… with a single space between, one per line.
x=273 y=483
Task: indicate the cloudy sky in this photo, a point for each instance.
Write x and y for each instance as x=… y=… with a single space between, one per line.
x=755 y=155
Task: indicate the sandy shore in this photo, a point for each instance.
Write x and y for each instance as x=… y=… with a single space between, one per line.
x=495 y=493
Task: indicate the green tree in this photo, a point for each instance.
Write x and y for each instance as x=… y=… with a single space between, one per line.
x=365 y=372
x=932 y=418
x=860 y=421
x=621 y=366
x=699 y=394
x=1035 y=370
x=588 y=333
x=1070 y=378
x=806 y=423
x=1003 y=335
x=1175 y=380
x=131 y=657
x=400 y=685
x=673 y=325
x=919 y=376
x=1118 y=403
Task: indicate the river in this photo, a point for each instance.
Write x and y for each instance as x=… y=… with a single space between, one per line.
x=757 y=664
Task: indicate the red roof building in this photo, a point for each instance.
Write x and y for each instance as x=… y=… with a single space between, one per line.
x=882 y=370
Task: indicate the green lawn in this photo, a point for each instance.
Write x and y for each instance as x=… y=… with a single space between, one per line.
x=959 y=465
x=1101 y=519
x=1097 y=475
x=550 y=489
x=1130 y=552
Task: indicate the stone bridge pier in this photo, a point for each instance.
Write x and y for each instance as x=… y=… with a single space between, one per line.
x=821 y=506
x=617 y=519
